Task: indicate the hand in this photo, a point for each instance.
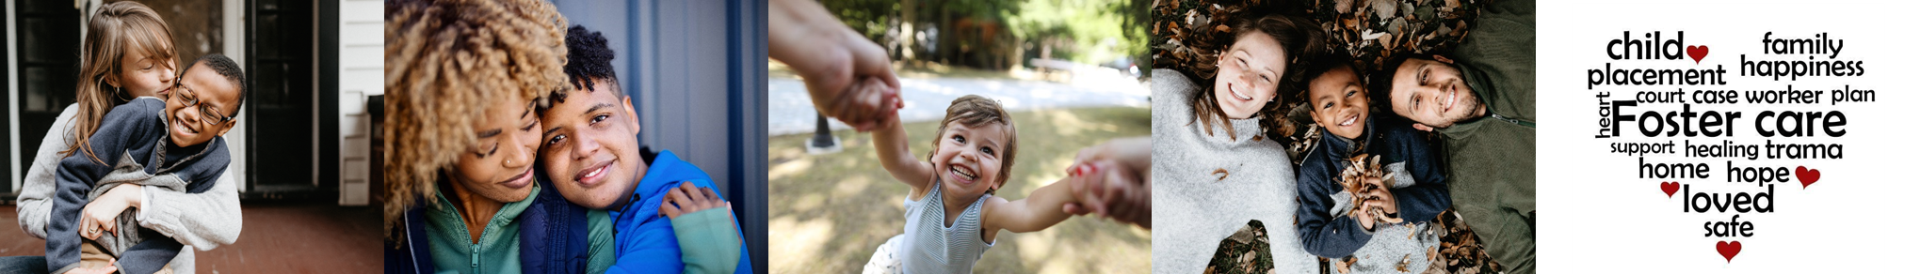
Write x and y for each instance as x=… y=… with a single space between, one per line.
x=831 y=58
x=98 y=216
x=1134 y=152
x=1112 y=190
x=1365 y=217
x=1114 y=179
x=865 y=99
x=1383 y=199
x=688 y=199
x=106 y=269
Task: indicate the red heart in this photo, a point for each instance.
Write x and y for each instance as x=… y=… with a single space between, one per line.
x=1669 y=187
x=1697 y=52
x=1807 y=175
x=1728 y=249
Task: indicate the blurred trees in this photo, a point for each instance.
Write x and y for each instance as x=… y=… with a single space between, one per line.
x=999 y=34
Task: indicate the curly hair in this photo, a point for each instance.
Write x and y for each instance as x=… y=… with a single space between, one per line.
x=446 y=61
x=588 y=58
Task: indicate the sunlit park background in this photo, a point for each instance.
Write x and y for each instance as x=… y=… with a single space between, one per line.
x=1065 y=69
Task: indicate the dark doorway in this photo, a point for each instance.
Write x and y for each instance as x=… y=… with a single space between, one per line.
x=280 y=109
x=48 y=36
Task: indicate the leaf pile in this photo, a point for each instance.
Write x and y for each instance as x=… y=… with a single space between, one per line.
x=1189 y=34
x=1247 y=251
x=1361 y=169
x=1375 y=30
x=1459 y=249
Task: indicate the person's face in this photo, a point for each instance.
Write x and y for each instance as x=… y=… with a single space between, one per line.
x=1249 y=75
x=589 y=147
x=201 y=107
x=1432 y=93
x=1339 y=102
x=499 y=166
x=968 y=158
x=142 y=75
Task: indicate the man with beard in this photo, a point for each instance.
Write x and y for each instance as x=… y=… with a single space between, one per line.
x=1480 y=102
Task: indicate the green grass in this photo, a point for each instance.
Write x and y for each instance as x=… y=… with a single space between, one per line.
x=829 y=212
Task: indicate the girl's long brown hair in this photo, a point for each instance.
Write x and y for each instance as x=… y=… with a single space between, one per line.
x=446 y=62
x=1299 y=39
x=116 y=29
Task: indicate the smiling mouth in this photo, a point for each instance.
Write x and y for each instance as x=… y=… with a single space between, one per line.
x=965 y=175
x=592 y=175
x=1236 y=93
x=1453 y=95
x=518 y=181
x=1350 y=120
x=180 y=126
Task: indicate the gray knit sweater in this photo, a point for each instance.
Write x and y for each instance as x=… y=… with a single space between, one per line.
x=1194 y=207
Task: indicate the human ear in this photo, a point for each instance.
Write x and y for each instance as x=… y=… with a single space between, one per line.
x=633 y=121
x=1422 y=127
x=226 y=126
x=112 y=79
x=1442 y=59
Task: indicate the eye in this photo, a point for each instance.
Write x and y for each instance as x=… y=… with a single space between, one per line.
x=1329 y=105
x=556 y=139
x=1350 y=93
x=986 y=150
x=496 y=148
x=958 y=138
x=1265 y=79
x=598 y=118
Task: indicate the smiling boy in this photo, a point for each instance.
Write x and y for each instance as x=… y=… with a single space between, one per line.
x=175 y=144
x=1414 y=191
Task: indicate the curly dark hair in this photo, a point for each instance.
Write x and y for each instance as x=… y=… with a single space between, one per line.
x=588 y=57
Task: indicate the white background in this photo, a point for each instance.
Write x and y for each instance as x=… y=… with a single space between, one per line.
x=1596 y=216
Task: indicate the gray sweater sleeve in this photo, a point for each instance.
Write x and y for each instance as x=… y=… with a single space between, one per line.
x=36 y=191
x=202 y=220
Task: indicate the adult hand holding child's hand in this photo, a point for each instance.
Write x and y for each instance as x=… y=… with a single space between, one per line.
x=833 y=60
x=1114 y=179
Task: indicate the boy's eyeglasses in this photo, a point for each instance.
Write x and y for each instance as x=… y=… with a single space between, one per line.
x=207 y=113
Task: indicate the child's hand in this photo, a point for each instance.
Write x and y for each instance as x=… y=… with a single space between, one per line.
x=1365 y=217
x=1382 y=197
x=105 y=269
x=866 y=104
x=1114 y=180
x=688 y=199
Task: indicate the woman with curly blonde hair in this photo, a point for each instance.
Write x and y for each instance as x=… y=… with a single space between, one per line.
x=463 y=76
